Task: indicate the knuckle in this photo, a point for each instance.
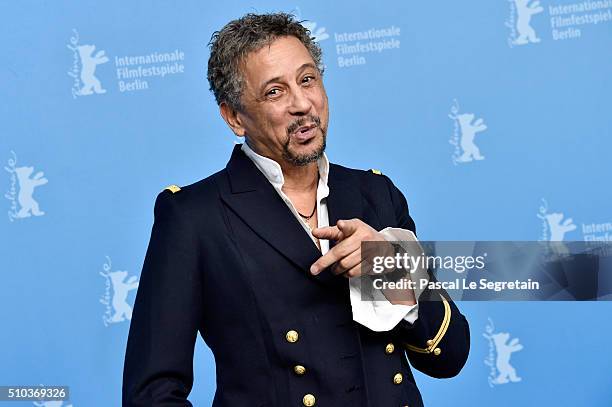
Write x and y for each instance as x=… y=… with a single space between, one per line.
x=341 y=251
x=344 y=263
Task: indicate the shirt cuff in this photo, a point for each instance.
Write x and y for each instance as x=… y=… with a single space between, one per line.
x=404 y=238
x=378 y=314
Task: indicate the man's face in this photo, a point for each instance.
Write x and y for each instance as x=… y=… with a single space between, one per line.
x=285 y=111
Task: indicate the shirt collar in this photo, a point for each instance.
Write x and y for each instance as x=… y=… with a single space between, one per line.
x=273 y=172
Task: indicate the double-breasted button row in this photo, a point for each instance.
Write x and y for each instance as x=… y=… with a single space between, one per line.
x=292 y=336
x=398 y=377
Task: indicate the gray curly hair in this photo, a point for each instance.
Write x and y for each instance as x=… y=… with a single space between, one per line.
x=230 y=46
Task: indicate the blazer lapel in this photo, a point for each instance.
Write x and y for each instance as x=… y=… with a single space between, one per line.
x=344 y=200
x=258 y=204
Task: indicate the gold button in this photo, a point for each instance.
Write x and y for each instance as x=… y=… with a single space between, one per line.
x=299 y=369
x=389 y=348
x=309 y=400
x=397 y=379
x=292 y=336
x=429 y=342
x=437 y=351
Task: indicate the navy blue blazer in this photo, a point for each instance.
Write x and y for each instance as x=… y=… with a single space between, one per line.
x=229 y=260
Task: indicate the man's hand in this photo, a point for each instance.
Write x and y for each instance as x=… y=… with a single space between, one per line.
x=347 y=253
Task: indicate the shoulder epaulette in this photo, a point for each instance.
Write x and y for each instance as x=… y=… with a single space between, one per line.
x=173 y=188
x=377 y=172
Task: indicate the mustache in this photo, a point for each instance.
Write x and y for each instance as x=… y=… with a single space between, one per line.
x=299 y=122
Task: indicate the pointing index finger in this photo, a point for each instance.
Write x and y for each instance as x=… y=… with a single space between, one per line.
x=336 y=253
x=325 y=261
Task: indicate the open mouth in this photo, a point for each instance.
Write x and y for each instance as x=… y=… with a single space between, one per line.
x=304 y=133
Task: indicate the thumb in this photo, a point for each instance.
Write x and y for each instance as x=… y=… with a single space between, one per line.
x=328 y=233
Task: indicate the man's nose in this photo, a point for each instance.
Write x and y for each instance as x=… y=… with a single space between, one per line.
x=300 y=103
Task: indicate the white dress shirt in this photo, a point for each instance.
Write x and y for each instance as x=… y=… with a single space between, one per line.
x=378 y=314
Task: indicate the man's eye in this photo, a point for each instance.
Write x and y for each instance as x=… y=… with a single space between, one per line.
x=308 y=79
x=273 y=92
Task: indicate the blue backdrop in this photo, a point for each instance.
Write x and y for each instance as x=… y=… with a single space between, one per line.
x=493 y=118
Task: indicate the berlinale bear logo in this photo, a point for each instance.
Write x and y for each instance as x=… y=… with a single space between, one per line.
x=498 y=360
x=117 y=307
x=84 y=64
x=22 y=188
x=504 y=350
x=464 y=133
x=555 y=225
x=469 y=128
x=524 y=11
x=121 y=288
x=88 y=68
x=318 y=34
x=29 y=206
x=519 y=22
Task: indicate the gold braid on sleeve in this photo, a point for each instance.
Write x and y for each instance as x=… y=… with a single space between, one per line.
x=432 y=344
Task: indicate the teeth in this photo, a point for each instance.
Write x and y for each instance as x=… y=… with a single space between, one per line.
x=305 y=129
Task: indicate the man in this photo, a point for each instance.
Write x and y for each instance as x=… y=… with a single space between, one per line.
x=247 y=257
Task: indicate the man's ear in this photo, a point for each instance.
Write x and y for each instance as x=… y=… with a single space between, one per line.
x=232 y=119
